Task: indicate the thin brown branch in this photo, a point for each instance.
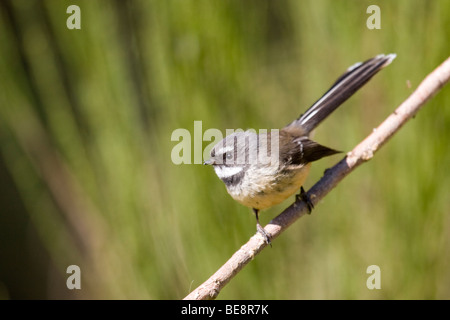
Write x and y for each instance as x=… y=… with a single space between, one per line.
x=361 y=153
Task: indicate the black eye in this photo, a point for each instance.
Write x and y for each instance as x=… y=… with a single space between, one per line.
x=228 y=156
x=213 y=153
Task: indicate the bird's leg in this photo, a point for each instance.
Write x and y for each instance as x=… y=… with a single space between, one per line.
x=260 y=229
x=304 y=197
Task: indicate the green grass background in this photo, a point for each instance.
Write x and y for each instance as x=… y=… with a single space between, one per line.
x=86 y=176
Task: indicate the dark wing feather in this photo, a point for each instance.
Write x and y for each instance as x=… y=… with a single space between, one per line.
x=298 y=150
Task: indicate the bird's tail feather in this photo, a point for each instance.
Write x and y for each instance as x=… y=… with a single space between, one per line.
x=344 y=87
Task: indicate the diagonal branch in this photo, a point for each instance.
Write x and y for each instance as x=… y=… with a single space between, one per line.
x=361 y=153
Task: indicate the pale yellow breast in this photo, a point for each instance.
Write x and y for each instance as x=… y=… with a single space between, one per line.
x=268 y=190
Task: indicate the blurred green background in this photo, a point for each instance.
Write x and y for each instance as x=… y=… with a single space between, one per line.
x=86 y=176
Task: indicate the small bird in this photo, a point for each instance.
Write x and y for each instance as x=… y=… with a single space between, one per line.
x=262 y=184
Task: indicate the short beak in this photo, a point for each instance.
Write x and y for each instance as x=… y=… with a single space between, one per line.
x=208 y=162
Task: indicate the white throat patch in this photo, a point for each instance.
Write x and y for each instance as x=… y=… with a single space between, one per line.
x=226 y=172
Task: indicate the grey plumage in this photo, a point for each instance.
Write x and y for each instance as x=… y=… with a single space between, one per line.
x=261 y=184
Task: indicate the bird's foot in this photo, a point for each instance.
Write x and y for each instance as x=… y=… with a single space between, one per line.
x=305 y=198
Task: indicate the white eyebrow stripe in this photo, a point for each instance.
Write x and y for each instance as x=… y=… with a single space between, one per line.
x=226 y=172
x=225 y=149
